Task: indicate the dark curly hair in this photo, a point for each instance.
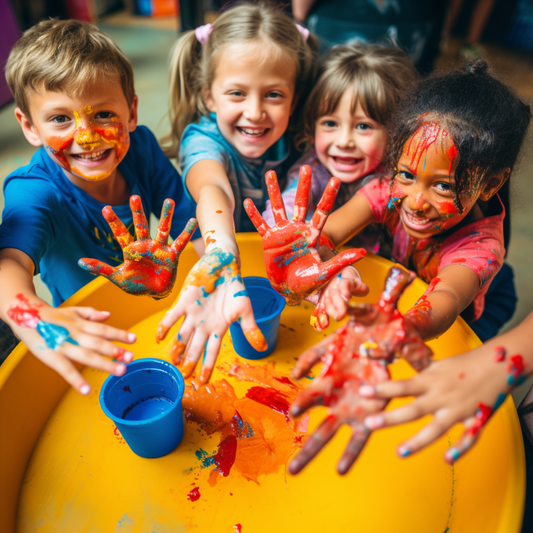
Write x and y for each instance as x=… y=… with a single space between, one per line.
x=485 y=119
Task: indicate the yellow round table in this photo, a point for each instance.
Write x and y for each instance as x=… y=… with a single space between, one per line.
x=65 y=468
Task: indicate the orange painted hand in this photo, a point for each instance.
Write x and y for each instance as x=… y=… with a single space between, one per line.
x=292 y=261
x=356 y=354
x=212 y=297
x=150 y=266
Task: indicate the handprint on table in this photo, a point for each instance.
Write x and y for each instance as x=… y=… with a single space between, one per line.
x=150 y=266
x=212 y=297
x=292 y=261
x=356 y=354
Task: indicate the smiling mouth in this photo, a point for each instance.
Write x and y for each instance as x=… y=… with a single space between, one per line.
x=417 y=223
x=346 y=160
x=93 y=156
x=252 y=132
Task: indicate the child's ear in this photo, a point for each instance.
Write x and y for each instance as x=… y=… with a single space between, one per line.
x=31 y=134
x=132 y=121
x=493 y=184
x=208 y=99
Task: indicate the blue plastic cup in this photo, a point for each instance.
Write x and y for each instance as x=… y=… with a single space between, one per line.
x=267 y=305
x=145 y=404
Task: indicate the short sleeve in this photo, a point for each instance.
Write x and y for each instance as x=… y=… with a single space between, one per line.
x=32 y=220
x=377 y=193
x=196 y=145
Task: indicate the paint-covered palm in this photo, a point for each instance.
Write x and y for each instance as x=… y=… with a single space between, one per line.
x=292 y=261
x=212 y=297
x=150 y=265
x=356 y=354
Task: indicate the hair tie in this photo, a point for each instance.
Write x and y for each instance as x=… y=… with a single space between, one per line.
x=304 y=32
x=203 y=32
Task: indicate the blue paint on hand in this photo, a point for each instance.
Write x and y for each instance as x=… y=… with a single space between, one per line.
x=241 y=293
x=54 y=335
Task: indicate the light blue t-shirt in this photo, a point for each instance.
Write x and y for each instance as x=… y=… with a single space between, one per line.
x=56 y=223
x=246 y=176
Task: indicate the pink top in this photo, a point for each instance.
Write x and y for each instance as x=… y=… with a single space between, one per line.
x=479 y=245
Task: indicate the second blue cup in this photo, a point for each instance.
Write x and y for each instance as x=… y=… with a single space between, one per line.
x=267 y=305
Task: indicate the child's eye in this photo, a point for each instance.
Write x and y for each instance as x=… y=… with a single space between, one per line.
x=444 y=187
x=104 y=115
x=403 y=174
x=236 y=93
x=363 y=127
x=60 y=119
x=329 y=123
x=275 y=95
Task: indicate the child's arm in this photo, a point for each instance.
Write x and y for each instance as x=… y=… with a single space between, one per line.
x=58 y=337
x=213 y=294
x=466 y=388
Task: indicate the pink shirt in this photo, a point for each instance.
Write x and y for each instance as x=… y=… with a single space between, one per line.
x=479 y=245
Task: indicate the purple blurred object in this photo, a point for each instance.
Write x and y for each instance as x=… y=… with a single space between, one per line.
x=9 y=35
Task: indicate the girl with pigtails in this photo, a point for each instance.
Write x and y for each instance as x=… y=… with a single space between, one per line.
x=234 y=86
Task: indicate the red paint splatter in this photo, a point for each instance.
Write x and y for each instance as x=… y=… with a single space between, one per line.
x=429 y=133
x=118 y=436
x=423 y=303
x=194 y=495
x=482 y=415
x=500 y=354
x=126 y=388
x=286 y=381
x=24 y=314
x=277 y=401
x=451 y=153
x=209 y=240
x=225 y=456
x=218 y=211
x=462 y=375
x=459 y=260
x=518 y=365
x=237 y=528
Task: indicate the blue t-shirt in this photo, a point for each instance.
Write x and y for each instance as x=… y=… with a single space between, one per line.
x=246 y=176
x=56 y=223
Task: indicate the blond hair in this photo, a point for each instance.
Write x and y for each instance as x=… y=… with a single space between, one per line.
x=193 y=65
x=67 y=56
x=377 y=75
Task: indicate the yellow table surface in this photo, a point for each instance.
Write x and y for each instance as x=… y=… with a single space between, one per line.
x=65 y=468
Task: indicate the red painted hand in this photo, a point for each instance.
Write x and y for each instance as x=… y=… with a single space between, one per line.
x=150 y=266
x=292 y=261
x=356 y=354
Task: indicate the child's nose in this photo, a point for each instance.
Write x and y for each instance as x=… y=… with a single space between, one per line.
x=417 y=202
x=345 y=139
x=85 y=136
x=254 y=110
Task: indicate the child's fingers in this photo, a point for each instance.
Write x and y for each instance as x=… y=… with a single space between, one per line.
x=194 y=352
x=249 y=328
x=333 y=266
x=411 y=411
x=185 y=236
x=96 y=267
x=465 y=442
x=302 y=194
x=336 y=305
x=90 y=313
x=107 y=332
x=92 y=358
x=396 y=282
x=58 y=362
x=257 y=220
x=319 y=318
x=429 y=433
x=139 y=219
x=276 y=201
x=354 y=447
x=325 y=205
x=213 y=347
x=101 y=346
x=314 y=444
x=394 y=389
x=120 y=231
x=310 y=397
x=350 y=283
x=163 y=228
x=310 y=358
x=171 y=317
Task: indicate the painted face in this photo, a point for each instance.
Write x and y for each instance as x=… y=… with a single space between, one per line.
x=423 y=187
x=253 y=97
x=349 y=145
x=87 y=136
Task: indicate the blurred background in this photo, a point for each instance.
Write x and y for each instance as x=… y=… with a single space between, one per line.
x=434 y=34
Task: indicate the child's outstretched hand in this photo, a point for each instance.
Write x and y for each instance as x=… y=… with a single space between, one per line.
x=292 y=261
x=465 y=388
x=150 y=266
x=356 y=354
x=212 y=297
x=59 y=337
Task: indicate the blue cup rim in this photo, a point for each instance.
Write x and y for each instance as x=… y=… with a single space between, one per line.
x=265 y=284
x=136 y=423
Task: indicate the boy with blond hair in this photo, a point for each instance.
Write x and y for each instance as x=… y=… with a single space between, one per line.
x=75 y=99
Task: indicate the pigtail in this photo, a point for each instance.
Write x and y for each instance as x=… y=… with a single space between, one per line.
x=185 y=100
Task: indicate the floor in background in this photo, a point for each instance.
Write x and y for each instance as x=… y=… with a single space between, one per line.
x=147 y=43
